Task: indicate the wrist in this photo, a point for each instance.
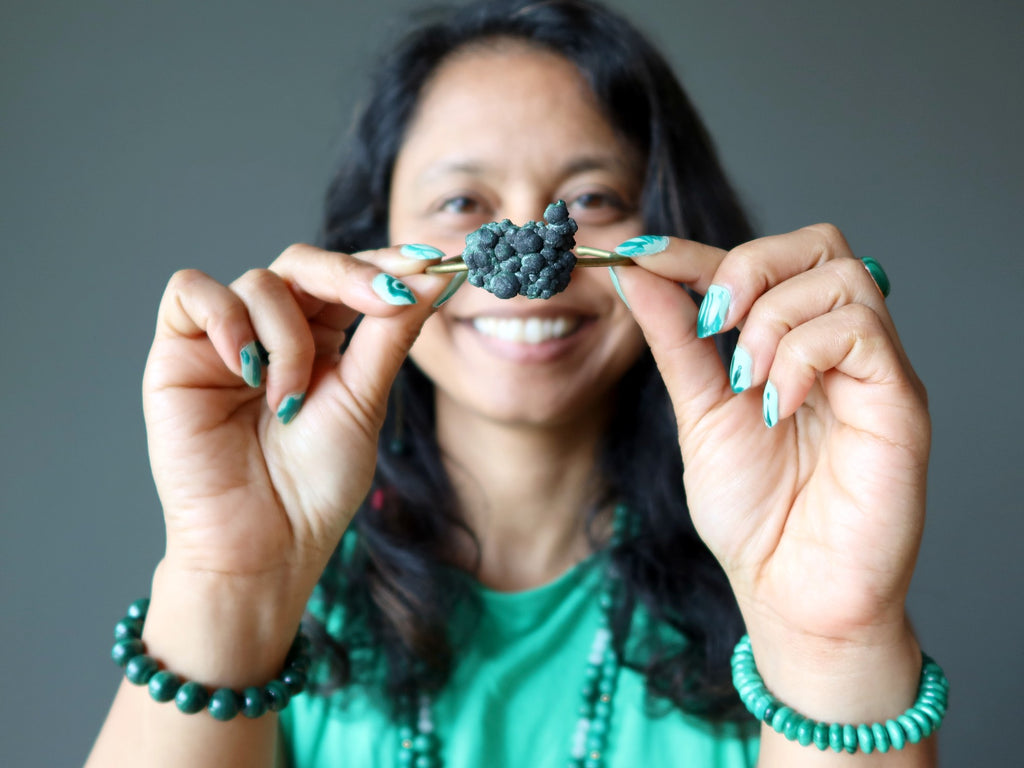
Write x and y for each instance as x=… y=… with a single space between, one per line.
x=220 y=630
x=871 y=678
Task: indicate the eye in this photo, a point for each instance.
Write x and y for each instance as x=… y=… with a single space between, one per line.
x=589 y=201
x=463 y=205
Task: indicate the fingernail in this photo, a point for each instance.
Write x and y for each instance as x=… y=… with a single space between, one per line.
x=454 y=285
x=290 y=406
x=712 y=313
x=618 y=287
x=421 y=251
x=252 y=371
x=392 y=290
x=771 y=405
x=740 y=370
x=645 y=245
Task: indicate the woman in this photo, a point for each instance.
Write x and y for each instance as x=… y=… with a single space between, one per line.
x=522 y=532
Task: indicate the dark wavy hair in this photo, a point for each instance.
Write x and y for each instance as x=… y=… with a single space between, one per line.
x=394 y=582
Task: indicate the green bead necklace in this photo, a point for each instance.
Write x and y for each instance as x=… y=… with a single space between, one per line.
x=419 y=745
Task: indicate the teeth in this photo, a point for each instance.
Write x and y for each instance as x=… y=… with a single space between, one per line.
x=532 y=330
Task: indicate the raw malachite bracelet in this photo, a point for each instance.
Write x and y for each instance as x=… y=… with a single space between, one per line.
x=917 y=723
x=129 y=652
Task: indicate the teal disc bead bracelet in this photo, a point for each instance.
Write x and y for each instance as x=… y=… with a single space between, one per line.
x=129 y=653
x=918 y=722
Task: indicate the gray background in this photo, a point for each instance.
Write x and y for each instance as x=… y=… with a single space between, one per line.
x=139 y=138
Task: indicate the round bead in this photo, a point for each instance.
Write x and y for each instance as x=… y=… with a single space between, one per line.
x=805 y=733
x=602 y=709
x=849 y=738
x=599 y=726
x=138 y=609
x=593 y=762
x=223 y=704
x=140 y=669
x=191 y=698
x=294 y=681
x=253 y=704
x=865 y=739
x=425 y=742
x=910 y=727
x=426 y=761
x=163 y=686
x=276 y=695
x=128 y=629
x=897 y=737
x=835 y=737
x=821 y=736
x=881 y=737
x=405 y=758
x=125 y=650
x=792 y=726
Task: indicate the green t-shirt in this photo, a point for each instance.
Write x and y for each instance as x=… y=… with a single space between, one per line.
x=514 y=697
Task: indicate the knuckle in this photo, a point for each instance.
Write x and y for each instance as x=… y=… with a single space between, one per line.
x=184 y=280
x=830 y=240
x=259 y=280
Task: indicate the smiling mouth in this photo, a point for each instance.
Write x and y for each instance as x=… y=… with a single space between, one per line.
x=528 y=330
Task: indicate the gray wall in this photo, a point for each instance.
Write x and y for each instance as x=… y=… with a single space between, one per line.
x=139 y=138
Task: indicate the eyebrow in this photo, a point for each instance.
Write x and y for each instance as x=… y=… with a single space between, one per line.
x=574 y=166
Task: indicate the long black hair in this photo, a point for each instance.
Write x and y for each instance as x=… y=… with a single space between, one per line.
x=392 y=578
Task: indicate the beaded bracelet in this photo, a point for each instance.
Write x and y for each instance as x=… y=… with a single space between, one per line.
x=223 y=704
x=917 y=723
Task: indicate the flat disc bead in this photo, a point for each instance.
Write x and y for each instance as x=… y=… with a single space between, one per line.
x=805 y=733
x=821 y=736
x=850 y=738
x=922 y=720
x=897 y=736
x=881 y=737
x=191 y=698
x=910 y=727
x=163 y=686
x=865 y=739
x=835 y=737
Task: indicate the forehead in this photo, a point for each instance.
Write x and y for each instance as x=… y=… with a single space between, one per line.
x=509 y=100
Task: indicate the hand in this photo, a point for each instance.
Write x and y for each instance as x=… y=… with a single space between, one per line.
x=245 y=494
x=816 y=519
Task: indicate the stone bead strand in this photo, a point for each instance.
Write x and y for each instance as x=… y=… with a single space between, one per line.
x=918 y=722
x=129 y=652
x=419 y=746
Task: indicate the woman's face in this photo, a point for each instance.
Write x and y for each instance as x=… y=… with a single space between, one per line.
x=501 y=132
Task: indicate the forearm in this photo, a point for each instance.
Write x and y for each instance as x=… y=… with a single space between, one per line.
x=218 y=633
x=870 y=681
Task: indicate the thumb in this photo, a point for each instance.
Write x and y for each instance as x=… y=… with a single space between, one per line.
x=691 y=367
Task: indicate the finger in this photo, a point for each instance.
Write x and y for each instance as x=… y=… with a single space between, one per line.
x=853 y=353
x=751 y=269
x=794 y=302
x=667 y=315
x=284 y=332
x=379 y=345
x=679 y=260
x=365 y=283
x=194 y=305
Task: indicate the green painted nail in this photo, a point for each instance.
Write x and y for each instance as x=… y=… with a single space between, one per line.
x=252 y=372
x=454 y=285
x=392 y=290
x=878 y=274
x=771 y=405
x=290 y=406
x=421 y=251
x=645 y=245
x=740 y=370
x=713 y=310
x=618 y=287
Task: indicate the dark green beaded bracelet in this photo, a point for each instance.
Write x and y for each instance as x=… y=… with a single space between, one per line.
x=918 y=722
x=223 y=704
